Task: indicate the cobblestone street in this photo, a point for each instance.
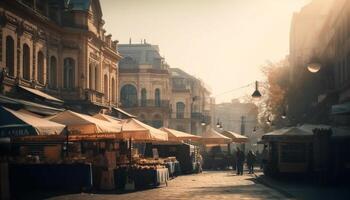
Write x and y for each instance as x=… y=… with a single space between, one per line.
x=208 y=185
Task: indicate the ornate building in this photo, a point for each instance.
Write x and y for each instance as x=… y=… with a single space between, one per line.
x=58 y=48
x=144 y=83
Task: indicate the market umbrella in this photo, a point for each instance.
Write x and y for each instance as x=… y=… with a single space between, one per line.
x=136 y=130
x=235 y=137
x=213 y=137
x=20 y=124
x=81 y=126
x=175 y=135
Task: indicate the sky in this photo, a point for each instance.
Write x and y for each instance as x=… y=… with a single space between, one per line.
x=222 y=42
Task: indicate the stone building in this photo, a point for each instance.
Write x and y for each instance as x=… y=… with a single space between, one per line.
x=190 y=103
x=144 y=83
x=58 y=48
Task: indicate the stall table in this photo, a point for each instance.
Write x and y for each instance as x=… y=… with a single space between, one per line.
x=142 y=178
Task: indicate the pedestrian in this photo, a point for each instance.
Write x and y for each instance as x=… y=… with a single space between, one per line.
x=264 y=157
x=250 y=161
x=239 y=161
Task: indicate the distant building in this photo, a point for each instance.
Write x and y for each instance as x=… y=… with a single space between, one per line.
x=241 y=118
x=59 y=48
x=144 y=83
x=190 y=103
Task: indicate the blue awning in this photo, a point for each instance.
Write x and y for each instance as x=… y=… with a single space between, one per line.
x=341 y=109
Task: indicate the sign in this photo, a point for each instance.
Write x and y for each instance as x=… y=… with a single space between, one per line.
x=15 y=132
x=341 y=109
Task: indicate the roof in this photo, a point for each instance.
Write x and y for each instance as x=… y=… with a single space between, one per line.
x=15 y=124
x=177 y=72
x=175 y=135
x=41 y=94
x=213 y=137
x=133 y=128
x=238 y=138
x=301 y=132
x=123 y=112
x=33 y=107
x=84 y=124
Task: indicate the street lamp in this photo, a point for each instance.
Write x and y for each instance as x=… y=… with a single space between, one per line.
x=256 y=94
x=314 y=67
x=218 y=124
x=203 y=123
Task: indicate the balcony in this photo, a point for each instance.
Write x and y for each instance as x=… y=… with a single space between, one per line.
x=146 y=104
x=137 y=70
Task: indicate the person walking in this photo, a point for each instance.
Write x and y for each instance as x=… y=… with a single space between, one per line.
x=239 y=161
x=250 y=161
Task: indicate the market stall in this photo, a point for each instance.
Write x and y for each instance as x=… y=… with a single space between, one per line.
x=38 y=163
x=213 y=155
x=132 y=164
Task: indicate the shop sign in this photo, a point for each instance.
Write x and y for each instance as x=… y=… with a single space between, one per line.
x=14 y=132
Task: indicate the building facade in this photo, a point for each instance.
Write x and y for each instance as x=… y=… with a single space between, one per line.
x=59 y=48
x=303 y=45
x=144 y=83
x=334 y=49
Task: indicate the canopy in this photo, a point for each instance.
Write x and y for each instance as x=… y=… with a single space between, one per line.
x=18 y=124
x=83 y=126
x=238 y=138
x=41 y=94
x=175 y=135
x=133 y=128
x=296 y=132
x=213 y=137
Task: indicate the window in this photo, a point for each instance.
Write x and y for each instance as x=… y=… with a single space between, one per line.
x=91 y=77
x=26 y=62
x=69 y=73
x=157 y=97
x=293 y=153
x=40 y=73
x=96 y=79
x=113 y=90
x=157 y=121
x=180 y=110
x=143 y=97
x=105 y=86
x=53 y=72
x=128 y=96
x=10 y=56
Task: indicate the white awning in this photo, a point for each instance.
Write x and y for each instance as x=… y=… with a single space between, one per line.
x=41 y=94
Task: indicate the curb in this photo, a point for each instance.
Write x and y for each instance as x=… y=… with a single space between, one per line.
x=274 y=187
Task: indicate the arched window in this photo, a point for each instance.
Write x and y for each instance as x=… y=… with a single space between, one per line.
x=10 y=56
x=40 y=73
x=26 y=62
x=91 y=77
x=180 y=110
x=53 y=72
x=143 y=97
x=128 y=96
x=69 y=73
x=105 y=86
x=157 y=97
x=113 y=90
x=157 y=121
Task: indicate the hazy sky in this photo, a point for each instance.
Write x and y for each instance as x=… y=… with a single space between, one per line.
x=223 y=42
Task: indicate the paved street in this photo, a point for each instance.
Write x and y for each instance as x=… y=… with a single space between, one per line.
x=208 y=185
